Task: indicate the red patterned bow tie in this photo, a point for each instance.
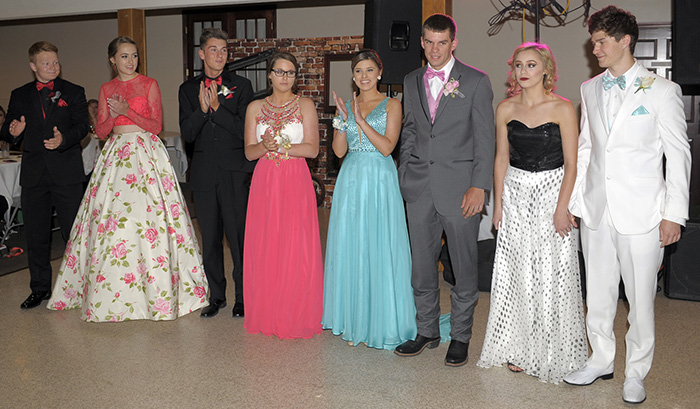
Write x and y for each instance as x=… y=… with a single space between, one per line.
x=431 y=73
x=208 y=81
x=41 y=85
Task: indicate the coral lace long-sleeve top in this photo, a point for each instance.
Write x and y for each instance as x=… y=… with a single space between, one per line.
x=145 y=108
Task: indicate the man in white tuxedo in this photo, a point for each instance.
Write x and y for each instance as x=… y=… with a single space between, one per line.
x=630 y=119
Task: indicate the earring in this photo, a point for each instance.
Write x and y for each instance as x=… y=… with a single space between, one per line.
x=379 y=78
x=353 y=79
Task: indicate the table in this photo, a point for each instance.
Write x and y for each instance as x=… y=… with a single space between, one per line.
x=176 y=150
x=11 y=190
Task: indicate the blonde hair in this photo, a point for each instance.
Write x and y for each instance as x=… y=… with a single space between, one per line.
x=548 y=62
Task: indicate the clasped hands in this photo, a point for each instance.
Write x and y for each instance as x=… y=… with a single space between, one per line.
x=118 y=105
x=269 y=141
x=17 y=127
x=208 y=97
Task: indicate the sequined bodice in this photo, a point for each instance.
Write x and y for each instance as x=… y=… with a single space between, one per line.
x=376 y=119
x=535 y=149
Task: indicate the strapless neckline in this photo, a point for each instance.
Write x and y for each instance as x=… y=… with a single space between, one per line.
x=536 y=127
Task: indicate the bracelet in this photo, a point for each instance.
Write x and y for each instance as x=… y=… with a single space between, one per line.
x=340 y=124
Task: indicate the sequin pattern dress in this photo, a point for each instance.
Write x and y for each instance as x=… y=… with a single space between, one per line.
x=536 y=314
x=282 y=263
x=367 y=295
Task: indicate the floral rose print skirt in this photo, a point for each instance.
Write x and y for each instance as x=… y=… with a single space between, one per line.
x=132 y=252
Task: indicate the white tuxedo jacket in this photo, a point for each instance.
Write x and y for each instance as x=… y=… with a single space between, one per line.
x=623 y=167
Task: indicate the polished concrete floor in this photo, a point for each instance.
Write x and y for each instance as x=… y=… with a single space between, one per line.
x=53 y=359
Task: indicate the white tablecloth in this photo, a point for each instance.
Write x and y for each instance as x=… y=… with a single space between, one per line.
x=9 y=181
x=176 y=150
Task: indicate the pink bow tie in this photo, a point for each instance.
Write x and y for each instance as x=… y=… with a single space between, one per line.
x=431 y=73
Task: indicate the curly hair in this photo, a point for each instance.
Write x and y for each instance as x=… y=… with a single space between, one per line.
x=616 y=23
x=548 y=62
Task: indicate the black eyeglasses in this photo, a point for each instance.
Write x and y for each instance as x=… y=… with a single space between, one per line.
x=280 y=72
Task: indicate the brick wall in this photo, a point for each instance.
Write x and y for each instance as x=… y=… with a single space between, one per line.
x=310 y=53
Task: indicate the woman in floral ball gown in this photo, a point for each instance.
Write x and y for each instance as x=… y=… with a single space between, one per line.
x=282 y=265
x=132 y=252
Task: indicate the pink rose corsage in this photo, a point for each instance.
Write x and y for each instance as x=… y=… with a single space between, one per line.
x=451 y=88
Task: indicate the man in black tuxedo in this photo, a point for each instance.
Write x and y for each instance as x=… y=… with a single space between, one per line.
x=50 y=114
x=212 y=115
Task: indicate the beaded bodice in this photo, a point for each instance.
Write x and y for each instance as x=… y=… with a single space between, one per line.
x=376 y=119
x=281 y=119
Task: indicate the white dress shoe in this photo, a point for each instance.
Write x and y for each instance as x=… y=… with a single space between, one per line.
x=587 y=375
x=633 y=391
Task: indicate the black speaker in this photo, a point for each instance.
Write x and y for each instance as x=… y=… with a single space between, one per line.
x=393 y=29
x=686 y=37
x=682 y=265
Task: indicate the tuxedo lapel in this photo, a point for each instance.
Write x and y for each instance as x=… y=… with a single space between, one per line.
x=598 y=87
x=630 y=102
x=35 y=97
x=420 y=83
x=50 y=105
x=444 y=100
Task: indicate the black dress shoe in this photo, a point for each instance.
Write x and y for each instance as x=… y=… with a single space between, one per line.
x=35 y=299
x=213 y=308
x=413 y=348
x=457 y=353
x=238 y=310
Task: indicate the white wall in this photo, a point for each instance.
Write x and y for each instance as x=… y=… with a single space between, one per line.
x=329 y=21
x=569 y=43
x=82 y=50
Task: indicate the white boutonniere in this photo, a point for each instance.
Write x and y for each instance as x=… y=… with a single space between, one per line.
x=451 y=88
x=54 y=96
x=226 y=91
x=643 y=83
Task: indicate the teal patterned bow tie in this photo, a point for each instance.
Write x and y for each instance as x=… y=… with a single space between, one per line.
x=608 y=82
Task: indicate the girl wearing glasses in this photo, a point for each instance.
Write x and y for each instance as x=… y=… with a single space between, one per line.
x=282 y=266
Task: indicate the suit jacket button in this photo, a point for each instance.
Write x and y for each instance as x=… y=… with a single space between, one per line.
x=432 y=161
x=432 y=136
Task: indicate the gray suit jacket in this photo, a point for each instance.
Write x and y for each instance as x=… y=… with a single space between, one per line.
x=455 y=152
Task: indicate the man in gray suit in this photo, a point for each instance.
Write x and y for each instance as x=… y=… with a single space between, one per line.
x=445 y=171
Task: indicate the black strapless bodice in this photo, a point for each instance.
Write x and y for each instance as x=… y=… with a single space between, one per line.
x=535 y=149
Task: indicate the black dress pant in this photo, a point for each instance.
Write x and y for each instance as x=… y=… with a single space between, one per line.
x=223 y=209
x=38 y=202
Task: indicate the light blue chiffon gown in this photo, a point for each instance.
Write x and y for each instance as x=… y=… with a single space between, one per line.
x=367 y=287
